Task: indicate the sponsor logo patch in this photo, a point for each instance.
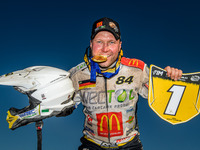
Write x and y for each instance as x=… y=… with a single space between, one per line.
x=110 y=122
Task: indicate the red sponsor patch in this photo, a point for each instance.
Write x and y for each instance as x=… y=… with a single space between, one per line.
x=133 y=62
x=111 y=121
x=89 y=120
x=99 y=24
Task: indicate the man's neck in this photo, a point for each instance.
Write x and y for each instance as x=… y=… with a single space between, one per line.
x=105 y=68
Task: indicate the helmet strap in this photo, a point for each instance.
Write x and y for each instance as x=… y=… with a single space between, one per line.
x=38 y=126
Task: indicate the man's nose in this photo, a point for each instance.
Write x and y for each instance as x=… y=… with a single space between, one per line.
x=105 y=47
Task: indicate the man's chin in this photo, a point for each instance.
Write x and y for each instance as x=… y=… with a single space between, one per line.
x=104 y=65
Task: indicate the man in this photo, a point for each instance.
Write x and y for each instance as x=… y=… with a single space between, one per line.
x=108 y=85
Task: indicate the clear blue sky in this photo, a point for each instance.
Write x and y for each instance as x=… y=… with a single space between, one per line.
x=56 y=33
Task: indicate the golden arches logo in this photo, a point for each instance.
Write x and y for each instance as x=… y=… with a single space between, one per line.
x=99 y=24
x=110 y=122
x=133 y=62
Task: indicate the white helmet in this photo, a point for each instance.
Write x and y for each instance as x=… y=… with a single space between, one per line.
x=49 y=89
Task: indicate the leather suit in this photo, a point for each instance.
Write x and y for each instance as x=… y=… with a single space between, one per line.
x=110 y=103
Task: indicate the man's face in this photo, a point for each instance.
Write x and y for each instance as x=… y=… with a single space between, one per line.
x=104 y=43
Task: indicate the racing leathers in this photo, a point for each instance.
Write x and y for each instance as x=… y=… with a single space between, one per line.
x=110 y=103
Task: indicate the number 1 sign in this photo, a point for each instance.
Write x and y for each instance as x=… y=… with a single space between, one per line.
x=174 y=101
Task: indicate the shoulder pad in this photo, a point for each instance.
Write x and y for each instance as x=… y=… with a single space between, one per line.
x=81 y=66
x=132 y=62
x=78 y=68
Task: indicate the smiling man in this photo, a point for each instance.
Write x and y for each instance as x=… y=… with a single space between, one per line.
x=108 y=84
x=105 y=44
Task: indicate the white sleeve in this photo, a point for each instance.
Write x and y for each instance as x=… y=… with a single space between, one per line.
x=144 y=82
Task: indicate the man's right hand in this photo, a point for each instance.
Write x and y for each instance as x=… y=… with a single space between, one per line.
x=66 y=112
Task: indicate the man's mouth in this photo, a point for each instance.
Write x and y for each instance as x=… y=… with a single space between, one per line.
x=100 y=58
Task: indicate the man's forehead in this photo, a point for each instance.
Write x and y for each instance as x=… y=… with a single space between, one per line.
x=105 y=34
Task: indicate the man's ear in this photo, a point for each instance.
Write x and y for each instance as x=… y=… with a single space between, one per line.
x=90 y=43
x=120 y=46
x=90 y=51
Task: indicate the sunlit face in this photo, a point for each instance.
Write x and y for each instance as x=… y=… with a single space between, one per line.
x=104 y=43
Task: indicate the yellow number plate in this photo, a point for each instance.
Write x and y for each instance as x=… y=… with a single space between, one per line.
x=174 y=101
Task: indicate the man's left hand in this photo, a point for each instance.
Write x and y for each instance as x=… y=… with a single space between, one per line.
x=173 y=73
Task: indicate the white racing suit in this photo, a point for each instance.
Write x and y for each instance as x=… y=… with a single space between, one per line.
x=110 y=104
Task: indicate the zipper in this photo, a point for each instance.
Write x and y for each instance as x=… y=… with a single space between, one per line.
x=107 y=108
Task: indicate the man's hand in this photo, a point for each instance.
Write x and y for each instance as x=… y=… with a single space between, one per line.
x=173 y=73
x=66 y=112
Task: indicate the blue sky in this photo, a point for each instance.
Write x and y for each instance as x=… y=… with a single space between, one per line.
x=56 y=33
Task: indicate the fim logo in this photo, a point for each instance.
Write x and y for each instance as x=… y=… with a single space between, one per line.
x=157 y=72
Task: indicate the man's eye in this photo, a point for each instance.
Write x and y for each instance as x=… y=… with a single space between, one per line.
x=99 y=42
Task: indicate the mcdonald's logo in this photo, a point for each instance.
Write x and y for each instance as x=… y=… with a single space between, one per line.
x=110 y=122
x=99 y=24
x=133 y=62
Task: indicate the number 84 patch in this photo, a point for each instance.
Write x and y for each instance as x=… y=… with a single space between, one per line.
x=174 y=101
